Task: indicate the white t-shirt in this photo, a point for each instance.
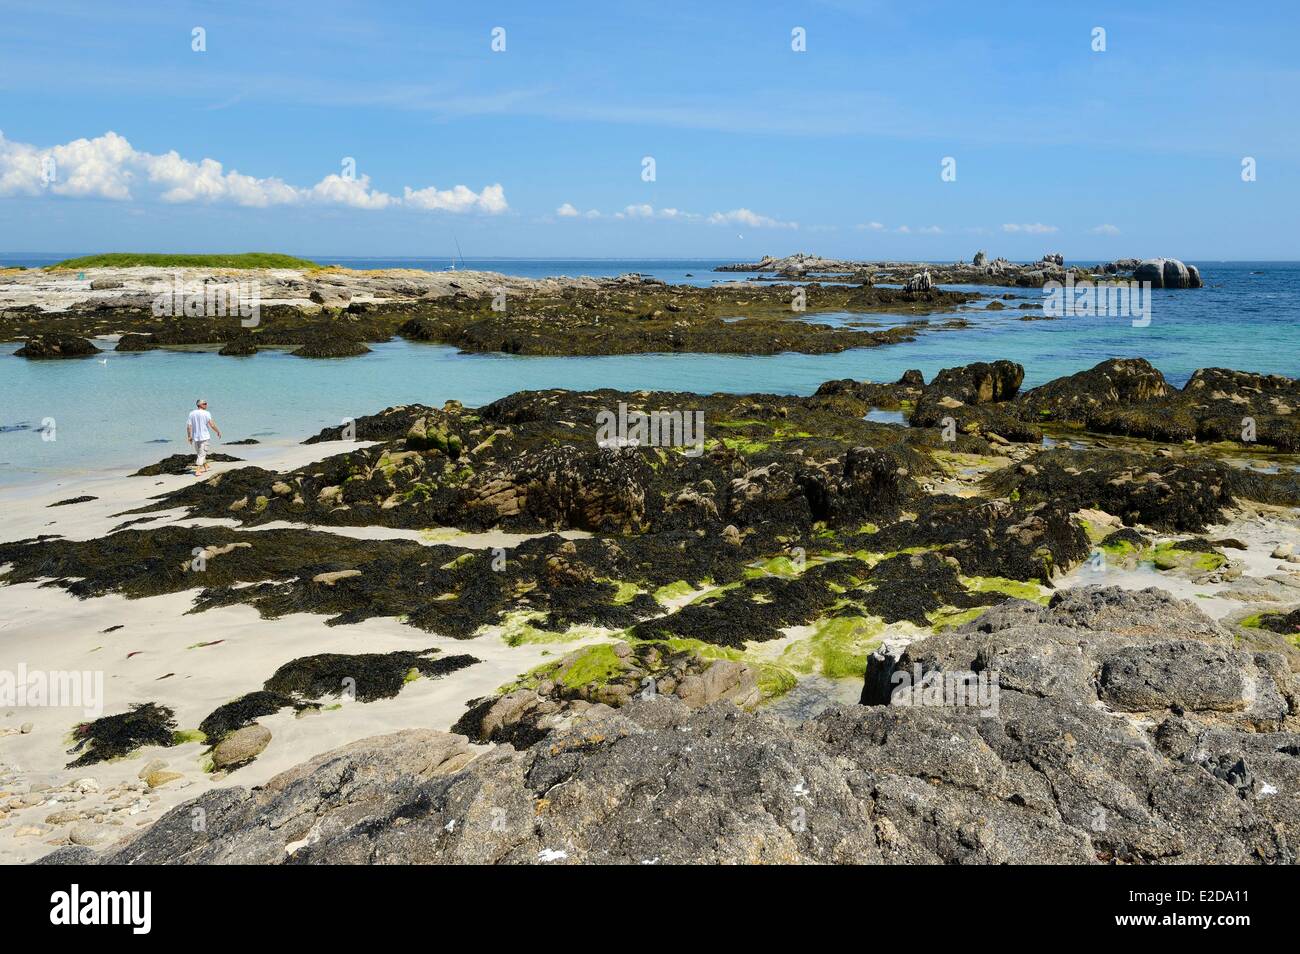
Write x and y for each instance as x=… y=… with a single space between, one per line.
x=198 y=422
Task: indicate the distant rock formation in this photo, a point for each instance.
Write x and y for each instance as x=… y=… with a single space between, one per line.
x=1121 y=265
x=1167 y=273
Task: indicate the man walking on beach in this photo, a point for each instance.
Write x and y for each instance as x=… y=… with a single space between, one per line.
x=199 y=428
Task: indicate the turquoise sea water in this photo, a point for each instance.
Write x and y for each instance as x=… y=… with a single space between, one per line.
x=126 y=410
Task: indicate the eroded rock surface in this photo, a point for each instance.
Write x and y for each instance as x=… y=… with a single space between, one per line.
x=1126 y=727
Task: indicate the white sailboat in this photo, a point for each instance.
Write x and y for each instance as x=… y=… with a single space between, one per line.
x=452 y=266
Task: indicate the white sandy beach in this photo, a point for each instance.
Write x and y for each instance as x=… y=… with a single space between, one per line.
x=153 y=657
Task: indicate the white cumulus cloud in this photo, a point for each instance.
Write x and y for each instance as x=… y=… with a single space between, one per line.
x=109 y=167
x=1106 y=229
x=1032 y=228
x=457 y=199
x=748 y=218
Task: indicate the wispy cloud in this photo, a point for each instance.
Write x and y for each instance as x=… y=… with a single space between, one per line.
x=1106 y=229
x=1031 y=228
x=742 y=217
x=109 y=167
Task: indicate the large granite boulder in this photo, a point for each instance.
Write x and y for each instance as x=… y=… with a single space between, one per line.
x=1167 y=273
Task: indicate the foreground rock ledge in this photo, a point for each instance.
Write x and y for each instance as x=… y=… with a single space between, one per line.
x=1128 y=728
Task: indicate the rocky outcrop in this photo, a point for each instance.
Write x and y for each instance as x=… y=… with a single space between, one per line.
x=330 y=313
x=977 y=383
x=242 y=347
x=920 y=282
x=47 y=347
x=1167 y=273
x=600 y=489
x=330 y=343
x=1164 y=493
x=1120 y=265
x=330 y=295
x=1130 y=397
x=886 y=396
x=430 y=433
x=555 y=695
x=982 y=270
x=1099 y=737
x=1077 y=396
x=975 y=397
x=134 y=342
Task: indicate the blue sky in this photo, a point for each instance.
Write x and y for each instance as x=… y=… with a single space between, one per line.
x=758 y=148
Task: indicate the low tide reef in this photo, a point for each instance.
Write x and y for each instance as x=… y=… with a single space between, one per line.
x=677 y=588
x=336 y=313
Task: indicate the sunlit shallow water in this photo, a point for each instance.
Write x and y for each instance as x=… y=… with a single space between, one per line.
x=126 y=410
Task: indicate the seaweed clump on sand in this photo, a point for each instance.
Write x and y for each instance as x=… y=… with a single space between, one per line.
x=178 y=464
x=298 y=684
x=116 y=736
x=366 y=676
x=244 y=711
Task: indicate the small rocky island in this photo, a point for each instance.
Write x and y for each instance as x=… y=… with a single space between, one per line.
x=336 y=313
x=981 y=270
